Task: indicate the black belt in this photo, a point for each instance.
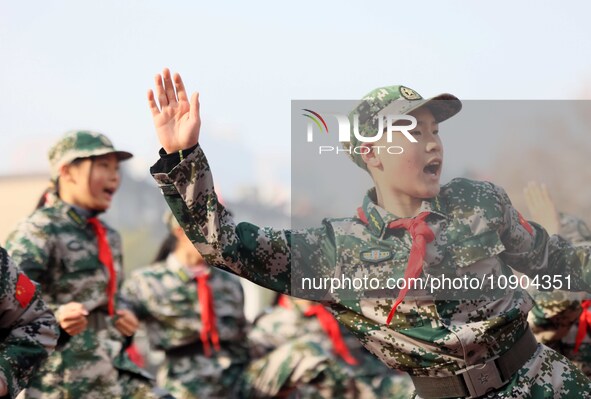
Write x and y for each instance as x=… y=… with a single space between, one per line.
x=480 y=379
x=97 y=321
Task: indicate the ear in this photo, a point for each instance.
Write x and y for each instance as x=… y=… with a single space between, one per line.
x=178 y=232
x=369 y=156
x=66 y=173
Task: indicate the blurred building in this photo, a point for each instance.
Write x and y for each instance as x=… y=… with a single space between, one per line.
x=19 y=194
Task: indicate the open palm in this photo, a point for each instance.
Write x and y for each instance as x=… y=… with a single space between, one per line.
x=177 y=120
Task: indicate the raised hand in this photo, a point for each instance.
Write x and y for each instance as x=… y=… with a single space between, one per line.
x=177 y=120
x=541 y=207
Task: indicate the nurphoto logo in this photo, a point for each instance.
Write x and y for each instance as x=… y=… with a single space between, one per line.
x=386 y=125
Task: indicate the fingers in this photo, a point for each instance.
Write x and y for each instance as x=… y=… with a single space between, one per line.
x=533 y=195
x=194 y=108
x=72 y=311
x=537 y=195
x=127 y=323
x=125 y=330
x=169 y=87
x=162 y=99
x=180 y=88
x=74 y=327
x=152 y=103
x=541 y=207
x=529 y=197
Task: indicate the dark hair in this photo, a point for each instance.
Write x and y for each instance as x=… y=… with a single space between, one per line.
x=43 y=198
x=167 y=246
x=54 y=187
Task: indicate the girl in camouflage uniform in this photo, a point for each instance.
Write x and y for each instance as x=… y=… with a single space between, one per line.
x=453 y=343
x=195 y=314
x=76 y=259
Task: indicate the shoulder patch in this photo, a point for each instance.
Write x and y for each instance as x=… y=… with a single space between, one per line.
x=25 y=289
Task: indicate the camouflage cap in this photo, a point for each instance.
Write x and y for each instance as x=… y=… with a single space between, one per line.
x=81 y=144
x=396 y=100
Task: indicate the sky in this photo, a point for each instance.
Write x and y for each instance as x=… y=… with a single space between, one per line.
x=81 y=64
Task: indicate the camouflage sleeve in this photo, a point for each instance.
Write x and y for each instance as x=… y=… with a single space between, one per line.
x=134 y=294
x=261 y=255
x=529 y=249
x=28 y=329
x=29 y=247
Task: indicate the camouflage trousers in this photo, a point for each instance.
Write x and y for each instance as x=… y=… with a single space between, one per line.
x=197 y=376
x=296 y=369
x=392 y=387
x=83 y=368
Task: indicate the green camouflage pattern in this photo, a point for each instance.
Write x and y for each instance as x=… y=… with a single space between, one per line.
x=80 y=144
x=281 y=331
x=56 y=247
x=477 y=233
x=164 y=296
x=298 y=368
x=574 y=229
x=555 y=316
x=29 y=333
x=395 y=100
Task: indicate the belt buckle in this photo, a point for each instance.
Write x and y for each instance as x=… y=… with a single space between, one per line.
x=483 y=378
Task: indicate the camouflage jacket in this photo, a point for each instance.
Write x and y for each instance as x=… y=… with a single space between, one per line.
x=29 y=330
x=57 y=248
x=477 y=233
x=164 y=296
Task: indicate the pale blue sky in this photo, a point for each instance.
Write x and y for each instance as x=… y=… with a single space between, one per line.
x=82 y=64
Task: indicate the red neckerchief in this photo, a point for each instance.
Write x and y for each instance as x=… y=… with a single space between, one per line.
x=106 y=258
x=584 y=324
x=208 y=321
x=330 y=326
x=421 y=234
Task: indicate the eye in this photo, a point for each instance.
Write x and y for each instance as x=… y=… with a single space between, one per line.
x=416 y=132
x=435 y=132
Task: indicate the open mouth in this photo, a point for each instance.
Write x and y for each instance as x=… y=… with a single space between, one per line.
x=433 y=168
x=109 y=191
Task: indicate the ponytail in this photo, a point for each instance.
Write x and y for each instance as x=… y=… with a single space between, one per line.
x=167 y=246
